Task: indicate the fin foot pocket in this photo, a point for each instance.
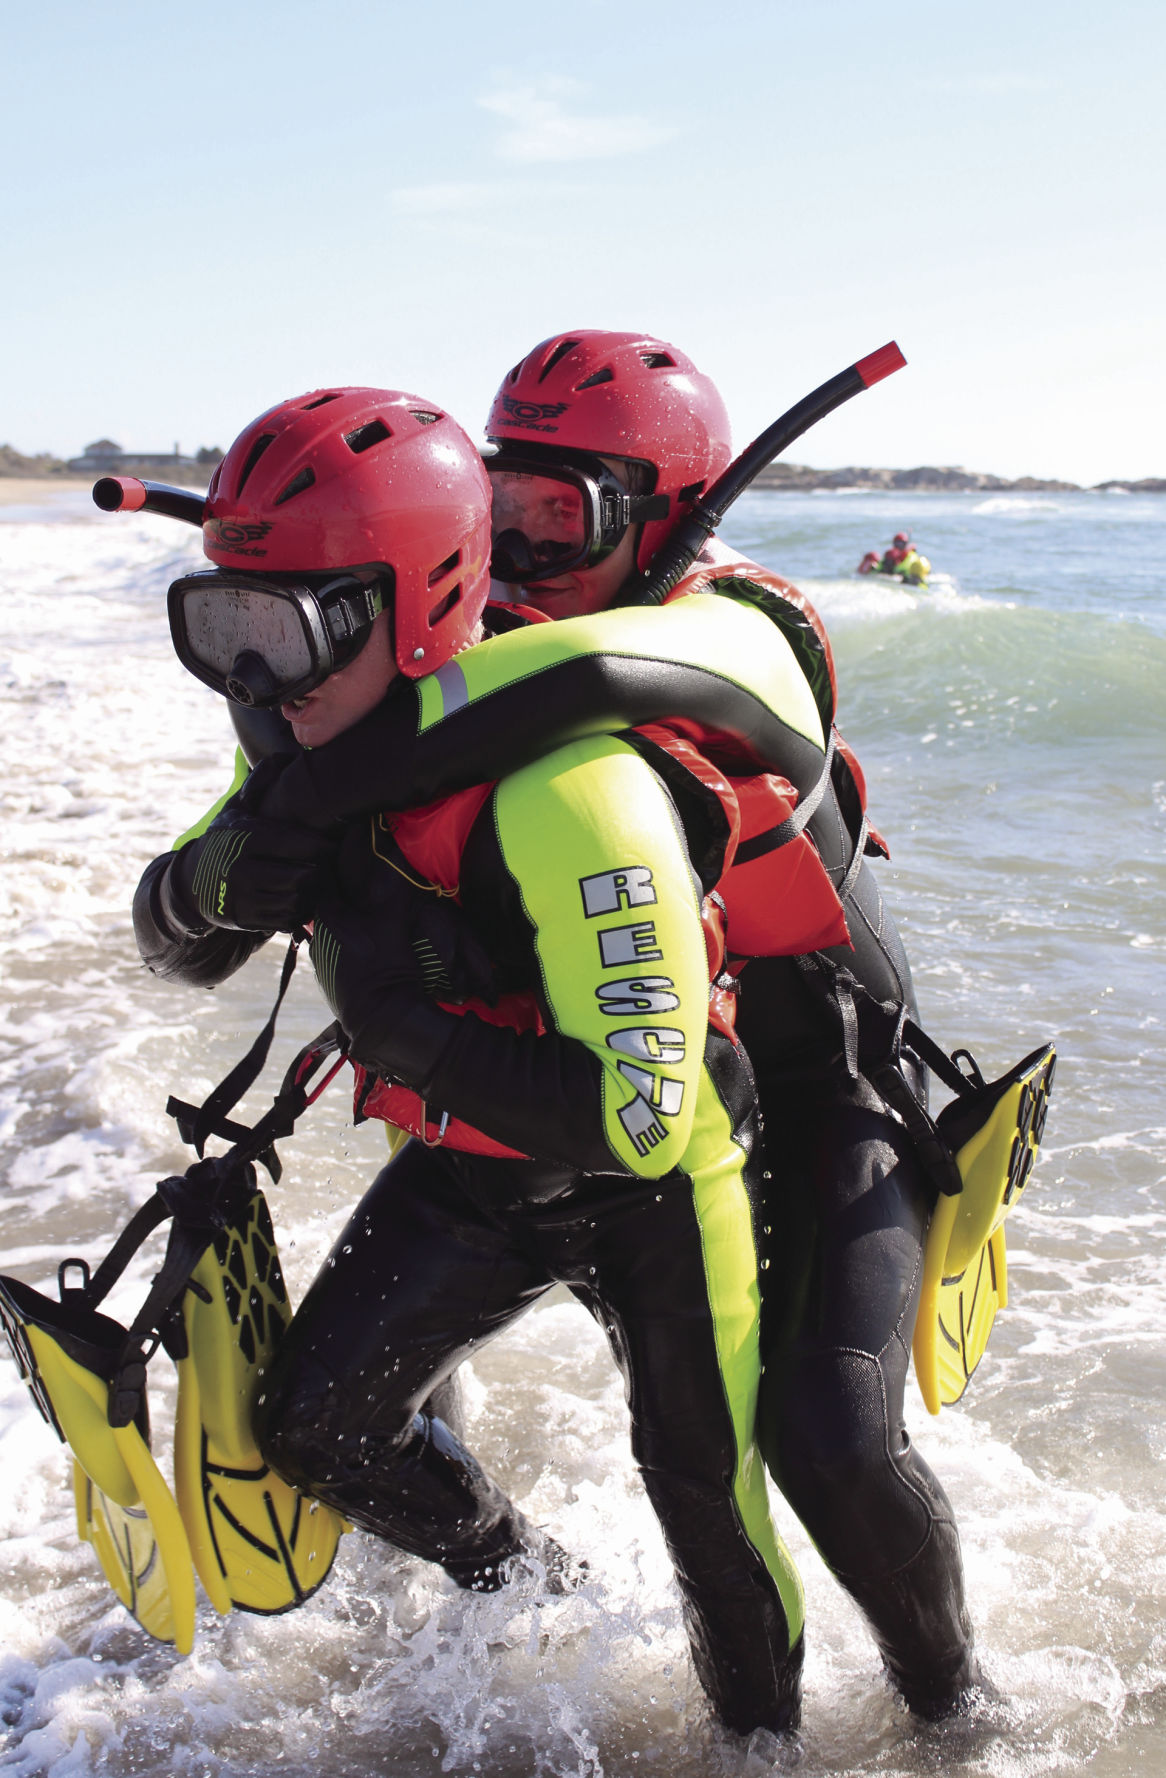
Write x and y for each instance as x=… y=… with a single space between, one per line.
x=258 y=1544
x=69 y=1355
x=994 y=1134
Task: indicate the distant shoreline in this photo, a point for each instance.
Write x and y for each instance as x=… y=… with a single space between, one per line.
x=795 y=478
x=789 y=478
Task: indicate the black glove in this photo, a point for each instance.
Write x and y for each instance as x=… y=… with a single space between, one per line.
x=248 y=873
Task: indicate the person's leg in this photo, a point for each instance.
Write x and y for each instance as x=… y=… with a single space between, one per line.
x=421 y=1275
x=849 y=1207
x=675 y=1290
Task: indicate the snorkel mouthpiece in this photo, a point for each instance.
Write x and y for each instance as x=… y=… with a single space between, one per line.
x=251 y=680
x=512 y=558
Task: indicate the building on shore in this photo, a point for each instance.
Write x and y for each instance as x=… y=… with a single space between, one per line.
x=104 y=457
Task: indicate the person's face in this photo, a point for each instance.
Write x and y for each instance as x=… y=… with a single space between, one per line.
x=348 y=694
x=578 y=591
x=583 y=590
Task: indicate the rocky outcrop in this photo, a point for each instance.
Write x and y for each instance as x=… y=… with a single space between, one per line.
x=796 y=478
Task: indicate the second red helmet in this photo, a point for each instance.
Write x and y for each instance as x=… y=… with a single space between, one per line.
x=627 y=395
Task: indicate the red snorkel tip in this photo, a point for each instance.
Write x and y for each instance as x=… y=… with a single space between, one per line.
x=119 y=493
x=877 y=365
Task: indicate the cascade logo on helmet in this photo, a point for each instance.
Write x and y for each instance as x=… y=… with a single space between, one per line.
x=230 y=534
x=526 y=413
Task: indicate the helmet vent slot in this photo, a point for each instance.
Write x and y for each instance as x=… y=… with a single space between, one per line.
x=319 y=402
x=425 y=416
x=445 y=606
x=305 y=479
x=560 y=351
x=606 y=375
x=253 y=456
x=658 y=360
x=444 y=568
x=365 y=437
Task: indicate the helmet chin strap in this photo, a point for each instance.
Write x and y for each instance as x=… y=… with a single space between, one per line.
x=626 y=593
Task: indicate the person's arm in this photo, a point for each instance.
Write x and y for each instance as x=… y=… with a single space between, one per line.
x=748 y=665
x=590 y=860
x=230 y=881
x=173 y=944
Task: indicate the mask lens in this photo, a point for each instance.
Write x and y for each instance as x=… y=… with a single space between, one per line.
x=223 y=622
x=552 y=514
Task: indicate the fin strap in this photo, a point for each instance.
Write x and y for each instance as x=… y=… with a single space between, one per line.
x=947 y=1067
x=96 y=1288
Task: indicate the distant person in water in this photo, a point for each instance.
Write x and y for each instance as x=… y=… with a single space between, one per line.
x=902 y=560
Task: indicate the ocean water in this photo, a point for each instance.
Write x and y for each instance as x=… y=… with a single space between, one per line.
x=1012 y=724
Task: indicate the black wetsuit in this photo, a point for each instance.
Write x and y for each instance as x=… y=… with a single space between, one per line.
x=577 y=878
x=849 y=1203
x=844 y=1187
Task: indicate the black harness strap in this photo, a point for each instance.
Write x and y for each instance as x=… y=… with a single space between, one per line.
x=200 y=1203
x=842 y=990
x=791 y=827
x=210 y=1118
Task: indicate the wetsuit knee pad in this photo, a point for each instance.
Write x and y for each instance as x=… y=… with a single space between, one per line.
x=851 y=1477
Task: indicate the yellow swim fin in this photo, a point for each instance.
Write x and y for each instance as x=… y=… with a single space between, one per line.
x=993 y=1133
x=258 y=1544
x=72 y=1357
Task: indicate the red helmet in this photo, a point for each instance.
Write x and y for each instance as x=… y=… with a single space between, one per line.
x=901 y=539
x=618 y=395
x=347 y=478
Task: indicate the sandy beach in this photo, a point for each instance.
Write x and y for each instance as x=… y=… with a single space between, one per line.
x=18 y=490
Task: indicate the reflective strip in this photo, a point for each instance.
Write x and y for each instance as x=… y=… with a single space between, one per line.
x=455 y=693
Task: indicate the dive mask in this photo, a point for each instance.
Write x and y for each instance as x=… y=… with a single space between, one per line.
x=556 y=513
x=264 y=640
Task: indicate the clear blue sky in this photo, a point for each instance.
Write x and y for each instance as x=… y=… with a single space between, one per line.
x=209 y=208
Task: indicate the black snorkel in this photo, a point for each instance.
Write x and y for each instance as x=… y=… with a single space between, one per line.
x=125 y=493
x=708 y=513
